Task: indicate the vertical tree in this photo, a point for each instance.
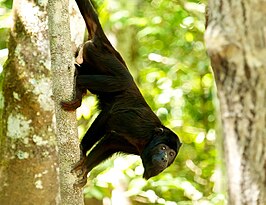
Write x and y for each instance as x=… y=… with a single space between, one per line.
x=62 y=76
x=28 y=157
x=235 y=39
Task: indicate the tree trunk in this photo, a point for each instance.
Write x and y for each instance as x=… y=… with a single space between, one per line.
x=63 y=76
x=28 y=157
x=235 y=40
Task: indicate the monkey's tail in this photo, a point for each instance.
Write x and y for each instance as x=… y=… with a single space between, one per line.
x=91 y=19
x=94 y=27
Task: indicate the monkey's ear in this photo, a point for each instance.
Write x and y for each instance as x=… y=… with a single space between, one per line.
x=159 y=130
x=77 y=49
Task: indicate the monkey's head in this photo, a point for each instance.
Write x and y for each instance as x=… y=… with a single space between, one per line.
x=160 y=152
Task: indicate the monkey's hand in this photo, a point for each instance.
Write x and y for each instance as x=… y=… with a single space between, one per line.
x=71 y=105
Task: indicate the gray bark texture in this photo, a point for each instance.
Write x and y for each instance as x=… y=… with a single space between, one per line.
x=62 y=76
x=236 y=43
x=28 y=156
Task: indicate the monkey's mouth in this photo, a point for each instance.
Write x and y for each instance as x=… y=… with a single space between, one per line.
x=152 y=171
x=146 y=175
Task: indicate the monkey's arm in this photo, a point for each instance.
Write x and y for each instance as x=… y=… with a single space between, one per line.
x=103 y=83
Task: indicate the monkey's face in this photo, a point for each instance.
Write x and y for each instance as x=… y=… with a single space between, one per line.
x=157 y=159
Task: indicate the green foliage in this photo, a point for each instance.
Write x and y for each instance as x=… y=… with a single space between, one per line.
x=6 y=4
x=5 y=10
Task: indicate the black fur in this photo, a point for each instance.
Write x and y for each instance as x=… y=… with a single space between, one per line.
x=126 y=123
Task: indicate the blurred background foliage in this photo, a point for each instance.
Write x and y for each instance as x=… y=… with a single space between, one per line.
x=162 y=43
x=5 y=22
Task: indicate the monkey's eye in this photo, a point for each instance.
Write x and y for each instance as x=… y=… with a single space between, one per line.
x=163 y=147
x=172 y=154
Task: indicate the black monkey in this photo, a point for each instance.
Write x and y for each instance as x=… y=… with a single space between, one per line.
x=126 y=123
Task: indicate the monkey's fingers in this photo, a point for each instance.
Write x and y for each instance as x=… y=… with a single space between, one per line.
x=79 y=168
x=82 y=173
x=80 y=183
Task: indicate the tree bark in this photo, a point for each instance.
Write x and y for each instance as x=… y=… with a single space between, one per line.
x=235 y=40
x=28 y=157
x=62 y=77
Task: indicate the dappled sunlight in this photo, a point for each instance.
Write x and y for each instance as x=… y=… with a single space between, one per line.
x=190 y=191
x=88 y=105
x=161 y=59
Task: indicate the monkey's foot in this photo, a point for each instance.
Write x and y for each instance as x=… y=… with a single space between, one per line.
x=80 y=183
x=81 y=171
x=79 y=168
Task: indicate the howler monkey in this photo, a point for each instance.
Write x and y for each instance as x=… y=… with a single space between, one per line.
x=126 y=123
